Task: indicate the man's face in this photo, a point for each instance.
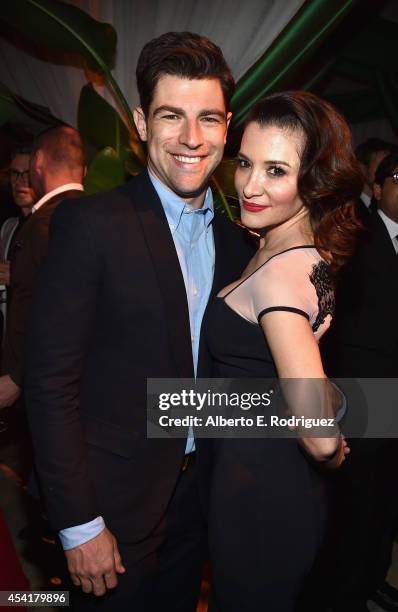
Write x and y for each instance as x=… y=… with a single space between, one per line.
x=185 y=131
x=375 y=160
x=19 y=179
x=387 y=197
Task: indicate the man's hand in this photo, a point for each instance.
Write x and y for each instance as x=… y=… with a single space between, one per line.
x=9 y=391
x=4 y=273
x=94 y=564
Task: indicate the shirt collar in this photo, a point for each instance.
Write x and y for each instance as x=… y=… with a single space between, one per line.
x=174 y=206
x=392 y=226
x=54 y=192
x=366 y=199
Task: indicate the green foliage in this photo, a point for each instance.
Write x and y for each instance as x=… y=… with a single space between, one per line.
x=62 y=27
x=98 y=121
x=106 y=171
x=16 y=110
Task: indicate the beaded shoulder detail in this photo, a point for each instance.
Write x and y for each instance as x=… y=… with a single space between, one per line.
x=322 y=281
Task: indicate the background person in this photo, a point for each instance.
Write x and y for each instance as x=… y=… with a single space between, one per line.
x=24 y=197
x=56 y=172
x=363 y=343
x=369 y=154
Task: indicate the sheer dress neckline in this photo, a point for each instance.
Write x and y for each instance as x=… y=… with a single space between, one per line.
x=302 y=246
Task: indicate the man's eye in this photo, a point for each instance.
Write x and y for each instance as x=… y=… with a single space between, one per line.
x=170 y=116
x=276 y=171
x=242 y=163
x=210 y=119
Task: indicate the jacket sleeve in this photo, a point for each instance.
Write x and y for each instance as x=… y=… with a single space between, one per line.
x=23 y=275
x=61 y=317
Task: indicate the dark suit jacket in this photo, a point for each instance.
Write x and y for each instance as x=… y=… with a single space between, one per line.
x=363 y=212
x=363 y=338
x=110 y=310
x=28 y=252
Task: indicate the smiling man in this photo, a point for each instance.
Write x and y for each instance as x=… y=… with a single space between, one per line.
x=120 y=299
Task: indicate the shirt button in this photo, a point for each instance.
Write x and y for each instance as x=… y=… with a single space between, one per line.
x=195 y=292
x=192 y=338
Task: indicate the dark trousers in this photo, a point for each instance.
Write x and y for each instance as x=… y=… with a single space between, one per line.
x=357 y=553
x=164 y=571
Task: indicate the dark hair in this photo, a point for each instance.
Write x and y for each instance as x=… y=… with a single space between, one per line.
x=20 y=150
x=366 y=149
x=386 y=168
x=183 y=54
x=63 y=146
x=330 y=178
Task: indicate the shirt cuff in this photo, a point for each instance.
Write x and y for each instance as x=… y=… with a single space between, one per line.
x=74 y=536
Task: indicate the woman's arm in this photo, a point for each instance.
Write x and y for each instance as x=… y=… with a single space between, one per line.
x=305 y=385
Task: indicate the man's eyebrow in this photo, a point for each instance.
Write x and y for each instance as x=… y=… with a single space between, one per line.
x=169 y=109
x=212 y=111
x=180 y=111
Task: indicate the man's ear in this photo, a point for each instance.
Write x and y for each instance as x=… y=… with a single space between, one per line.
x=140 y=122
x=37 y=162
x=377 y=191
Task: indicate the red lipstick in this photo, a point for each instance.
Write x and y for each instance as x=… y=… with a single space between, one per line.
x=251 y=207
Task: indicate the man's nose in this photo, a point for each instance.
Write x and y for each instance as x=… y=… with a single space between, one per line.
x=191 y=134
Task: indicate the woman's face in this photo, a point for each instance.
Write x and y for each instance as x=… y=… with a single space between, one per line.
x=266 y=176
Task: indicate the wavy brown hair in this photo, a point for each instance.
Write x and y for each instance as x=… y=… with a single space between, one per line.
x=330 y=178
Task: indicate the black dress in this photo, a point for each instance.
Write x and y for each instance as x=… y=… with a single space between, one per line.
x=267 y=502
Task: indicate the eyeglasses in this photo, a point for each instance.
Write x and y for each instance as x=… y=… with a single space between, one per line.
x=395 y=178
x=16 y=175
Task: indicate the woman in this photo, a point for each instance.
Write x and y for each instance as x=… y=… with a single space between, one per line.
x=296 y=179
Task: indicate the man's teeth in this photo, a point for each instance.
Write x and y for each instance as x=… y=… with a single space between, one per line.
x=187 y=160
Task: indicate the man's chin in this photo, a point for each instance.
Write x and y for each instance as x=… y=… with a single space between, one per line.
x=24 y=203
x=185 y=191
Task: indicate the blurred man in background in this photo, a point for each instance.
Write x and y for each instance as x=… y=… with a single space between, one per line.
x=56 y=172
x=24 y=197
x=369 y=154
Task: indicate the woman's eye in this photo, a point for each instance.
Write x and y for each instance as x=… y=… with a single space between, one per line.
x=242 y=163
x=276 y=171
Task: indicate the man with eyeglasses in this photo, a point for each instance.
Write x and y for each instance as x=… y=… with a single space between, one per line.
x=363 y=343
x=24 y=197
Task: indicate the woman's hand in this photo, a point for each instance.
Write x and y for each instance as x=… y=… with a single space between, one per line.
x=342 y=451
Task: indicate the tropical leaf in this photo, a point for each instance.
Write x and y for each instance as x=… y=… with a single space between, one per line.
x=62 y=27
x=225 y=174
x=132 y=164
x=106 y=171
x=98 y=121
x=14 y=109
x=102 y=126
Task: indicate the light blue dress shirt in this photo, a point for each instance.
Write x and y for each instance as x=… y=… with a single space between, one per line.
x=192 y=234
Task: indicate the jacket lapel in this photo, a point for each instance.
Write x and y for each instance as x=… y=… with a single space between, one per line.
x=165 y=261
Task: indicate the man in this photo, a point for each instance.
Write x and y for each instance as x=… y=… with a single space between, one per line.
x=363 y=343
x=57 y=170
x=369 y=154
x=24 y=197
x=120 y=299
